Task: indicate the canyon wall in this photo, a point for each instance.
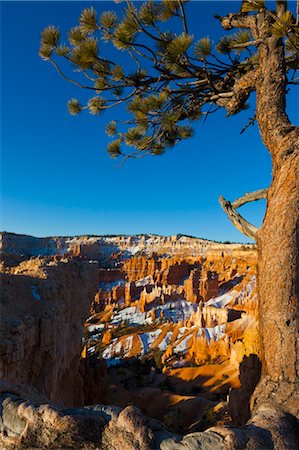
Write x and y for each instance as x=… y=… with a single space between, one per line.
x=43 y=308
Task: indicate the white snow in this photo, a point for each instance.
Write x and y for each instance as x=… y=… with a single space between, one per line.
x=131 y=315
x=173 y=311
x=99 y=327
x=178 y=364
x=222 y=300
x=144 y=281
x=214 y=333
x=177 y=310
x=147 y=339
x=183 y=345
x=165 y=341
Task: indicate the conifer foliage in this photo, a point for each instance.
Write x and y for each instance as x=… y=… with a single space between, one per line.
x=174 y=78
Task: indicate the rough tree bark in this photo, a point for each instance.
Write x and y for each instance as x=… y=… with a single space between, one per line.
x=278 y=263
x=278 y=252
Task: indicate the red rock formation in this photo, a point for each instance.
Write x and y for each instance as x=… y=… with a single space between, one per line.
x=110 y=275
x=176 y=273
x=131 y=292
x=191 y=286
x=139 y=267
x=208 y=286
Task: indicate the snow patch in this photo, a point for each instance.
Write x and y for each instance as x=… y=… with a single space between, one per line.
x=92 y=328
x=183 y=345
x=165 y=342
x=214 y=333
x=144 y=281
x=222 y=300
x=147 y=339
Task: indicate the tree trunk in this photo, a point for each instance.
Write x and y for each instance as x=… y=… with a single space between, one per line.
x=278 y=275
x=278 y=252
x=278 y=270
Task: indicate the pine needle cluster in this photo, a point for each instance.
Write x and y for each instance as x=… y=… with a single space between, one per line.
x=176 y=79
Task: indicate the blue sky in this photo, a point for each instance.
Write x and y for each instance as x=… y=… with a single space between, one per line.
x=57 y=178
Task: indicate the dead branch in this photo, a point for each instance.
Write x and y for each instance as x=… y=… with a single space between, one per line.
x=256 y=42
x=250 y=197
x=237 y=220
x=251 y=122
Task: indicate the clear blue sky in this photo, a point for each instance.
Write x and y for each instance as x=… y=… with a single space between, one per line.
x=57 y=178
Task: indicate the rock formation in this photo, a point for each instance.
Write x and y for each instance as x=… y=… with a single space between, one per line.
x=43 y=308
x=29 y=422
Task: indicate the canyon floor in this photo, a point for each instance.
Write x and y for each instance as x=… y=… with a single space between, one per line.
x=162 y=329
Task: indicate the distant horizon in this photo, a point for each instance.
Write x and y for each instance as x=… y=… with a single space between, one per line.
x=126 y=235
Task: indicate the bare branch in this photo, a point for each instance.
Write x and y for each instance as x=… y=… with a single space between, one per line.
x=256 y=42
x=251 y=122
x=237 y=220
x=183 y=17
x=70 y=79
x=250 y=197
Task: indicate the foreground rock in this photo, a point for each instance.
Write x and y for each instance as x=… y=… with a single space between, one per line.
x=26 y=424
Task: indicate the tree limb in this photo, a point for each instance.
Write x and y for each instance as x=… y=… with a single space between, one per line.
x=241 y=91
x=248 y=44
x=237 y=220
x=240 y=20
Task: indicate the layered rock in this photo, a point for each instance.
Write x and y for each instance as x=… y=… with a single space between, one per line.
x=110 y=248
x=43 y=308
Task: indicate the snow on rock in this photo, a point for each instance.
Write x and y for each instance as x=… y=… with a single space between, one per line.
x=177 y=310
x=181 y=347
x=222 y=300
x=178 y=364
x=147 y=339
x=92 y=328
x=173 y=311
x=130 y=315
x=144 y=281
x=214 y=333
x=165 y=342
